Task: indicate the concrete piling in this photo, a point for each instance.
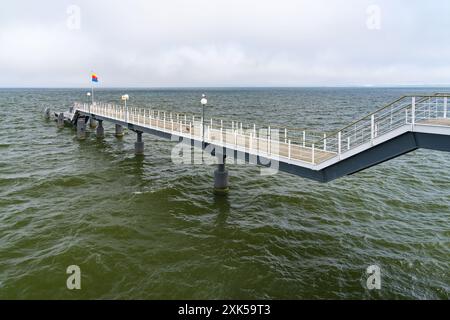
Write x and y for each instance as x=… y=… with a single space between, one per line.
x=81 y=128
x=139 y=144
x=221 y=177
x=60 y=120
x=100 y=130
x=92 y=123
x=119 y=131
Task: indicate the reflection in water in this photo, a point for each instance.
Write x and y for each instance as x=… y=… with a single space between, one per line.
x=138 y=163
x=101 y=144
x=222 y=204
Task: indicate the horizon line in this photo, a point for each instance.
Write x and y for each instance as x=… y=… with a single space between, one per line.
x=235 y=87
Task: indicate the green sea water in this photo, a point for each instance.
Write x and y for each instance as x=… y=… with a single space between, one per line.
x=146 y=228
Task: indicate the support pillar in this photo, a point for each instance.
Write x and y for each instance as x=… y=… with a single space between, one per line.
x=60 y=120
x=221 y=176
x=81 y=128
x=47 y=113
x=92 y=123
x=100 y=130
x=139 y=144
x=119 y=131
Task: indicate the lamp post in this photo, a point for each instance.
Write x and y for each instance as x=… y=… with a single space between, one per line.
x=203 y=101
x=88 y=94
x=125 y=97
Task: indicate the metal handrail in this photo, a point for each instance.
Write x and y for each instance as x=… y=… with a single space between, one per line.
x=262 y=144
x=442 y=95
x=387 y=119
x=302 y=136
x=367 y=117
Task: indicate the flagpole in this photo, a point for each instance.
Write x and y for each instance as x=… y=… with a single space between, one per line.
x=92 y=88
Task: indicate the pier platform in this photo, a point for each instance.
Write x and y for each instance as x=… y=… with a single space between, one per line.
x=408 y=123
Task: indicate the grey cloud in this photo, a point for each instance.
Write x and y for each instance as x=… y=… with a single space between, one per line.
x=224 y=43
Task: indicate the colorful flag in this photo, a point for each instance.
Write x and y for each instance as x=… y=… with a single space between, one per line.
x=94 y=77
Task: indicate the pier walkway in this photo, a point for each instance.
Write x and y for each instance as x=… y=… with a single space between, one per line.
x=408 y=123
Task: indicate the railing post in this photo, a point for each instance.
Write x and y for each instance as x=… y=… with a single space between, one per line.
x=324 y=142
x=312 y=154
x=339 y=143
x=437 y=107
x=413 y=112
x=289 y=149
x=372 y=127
x=429 y=108
x=304 y=138
x=445 y=107
x=285 y=135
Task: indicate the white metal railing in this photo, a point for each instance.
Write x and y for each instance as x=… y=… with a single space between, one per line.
x=289 y=143
x=300 y=145
x=408 y=110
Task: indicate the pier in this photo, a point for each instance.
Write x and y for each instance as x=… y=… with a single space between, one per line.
x=406 y=124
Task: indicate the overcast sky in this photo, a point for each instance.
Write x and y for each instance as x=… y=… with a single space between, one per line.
x=160 y=43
